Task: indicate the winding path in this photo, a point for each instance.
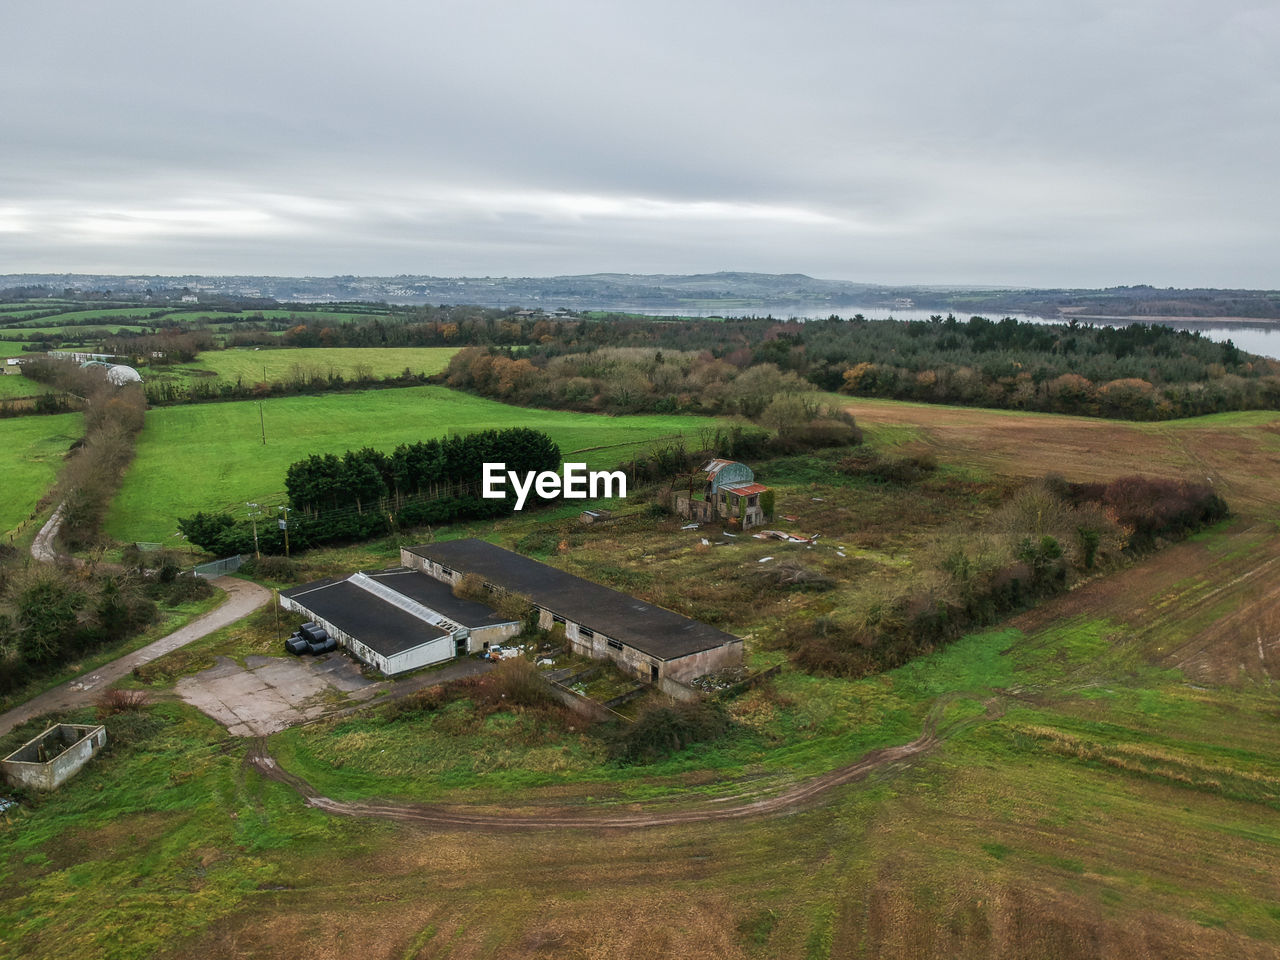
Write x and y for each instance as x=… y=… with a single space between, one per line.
x=560 y=818
x=243 y=597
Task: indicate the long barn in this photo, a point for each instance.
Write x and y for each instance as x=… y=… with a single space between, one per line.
x=646 y=641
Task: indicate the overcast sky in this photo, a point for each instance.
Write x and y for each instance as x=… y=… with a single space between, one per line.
x=929 y=141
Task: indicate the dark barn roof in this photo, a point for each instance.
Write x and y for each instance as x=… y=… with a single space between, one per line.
x=379 y=625
x=432 y=593
x=652 y=630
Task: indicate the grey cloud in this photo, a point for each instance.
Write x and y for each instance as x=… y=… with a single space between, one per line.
x=925 y=141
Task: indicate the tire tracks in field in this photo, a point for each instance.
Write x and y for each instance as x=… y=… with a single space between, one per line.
x=561 y=818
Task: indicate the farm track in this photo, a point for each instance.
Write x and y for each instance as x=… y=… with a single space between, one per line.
x=564 y=818
x=243 y=597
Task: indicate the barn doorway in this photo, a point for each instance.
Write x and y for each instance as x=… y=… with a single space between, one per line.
x=653 y=672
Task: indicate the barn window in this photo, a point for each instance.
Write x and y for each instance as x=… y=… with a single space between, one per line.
x=556 y=618
x=614 y=644
x=586 y=633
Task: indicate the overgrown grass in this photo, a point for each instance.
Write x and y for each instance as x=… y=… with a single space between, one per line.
x=161 y=834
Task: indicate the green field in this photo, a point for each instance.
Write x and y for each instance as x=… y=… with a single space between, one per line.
x=16 y=385
x=268 y=366
x=33 y=451
x=211 y=456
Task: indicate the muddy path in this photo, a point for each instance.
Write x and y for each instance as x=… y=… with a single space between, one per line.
x=561 y=818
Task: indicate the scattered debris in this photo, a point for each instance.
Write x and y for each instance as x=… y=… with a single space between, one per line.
x=789 y=518
x=818 y=499
x=764 y=559
x=783 y=535
x=691 y=526
x=706 y=542
x=7 y=804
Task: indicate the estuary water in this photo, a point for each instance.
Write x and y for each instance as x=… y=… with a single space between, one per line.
x=1257 y=336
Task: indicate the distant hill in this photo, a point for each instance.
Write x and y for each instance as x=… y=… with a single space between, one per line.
x=731 y=292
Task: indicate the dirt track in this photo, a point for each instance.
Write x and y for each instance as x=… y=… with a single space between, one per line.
x=243 y=598
x=561 y=818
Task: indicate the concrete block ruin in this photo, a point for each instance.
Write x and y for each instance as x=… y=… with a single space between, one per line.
x=52 y=758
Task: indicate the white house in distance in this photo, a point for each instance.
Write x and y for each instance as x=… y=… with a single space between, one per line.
x=398 y=620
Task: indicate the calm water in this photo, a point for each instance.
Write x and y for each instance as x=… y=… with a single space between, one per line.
x=1261 y=338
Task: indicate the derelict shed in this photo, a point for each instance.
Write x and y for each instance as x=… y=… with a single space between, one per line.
x=646 y=641
x=398 y=620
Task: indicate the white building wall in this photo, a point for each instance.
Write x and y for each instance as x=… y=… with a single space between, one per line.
x=433 y=651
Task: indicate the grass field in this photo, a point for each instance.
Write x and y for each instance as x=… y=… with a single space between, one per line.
x=268 y=366
x=16 y=385
x=33 y=451
x=211 y=456
x=1107 y=781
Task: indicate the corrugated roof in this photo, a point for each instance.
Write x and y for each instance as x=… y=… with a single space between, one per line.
x=744 y=489
x=651 y=630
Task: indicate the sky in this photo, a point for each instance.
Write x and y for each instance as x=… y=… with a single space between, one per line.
x=917 y=141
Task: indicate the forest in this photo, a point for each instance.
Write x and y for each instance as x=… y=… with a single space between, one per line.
x=1138 y=372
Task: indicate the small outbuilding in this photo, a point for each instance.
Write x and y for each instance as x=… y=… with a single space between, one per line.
x=52 y=758
x=729 y=492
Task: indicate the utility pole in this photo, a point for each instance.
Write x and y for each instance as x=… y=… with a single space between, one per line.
x=253 y=518
x=262 y=423
x=284 y=525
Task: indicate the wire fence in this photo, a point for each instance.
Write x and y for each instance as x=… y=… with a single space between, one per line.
x=218 y=568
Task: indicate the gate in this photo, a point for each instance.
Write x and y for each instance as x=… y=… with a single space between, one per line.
x=217 y=568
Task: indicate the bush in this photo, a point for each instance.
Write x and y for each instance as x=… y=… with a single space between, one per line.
x=901 y=470
x=271 y=568
x=112 y=702
x=664 y=730
x=517 y=682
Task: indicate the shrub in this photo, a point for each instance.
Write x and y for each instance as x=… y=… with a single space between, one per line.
x=663 y=730
x=271 y=568
x=517 y=682
x=112 y=702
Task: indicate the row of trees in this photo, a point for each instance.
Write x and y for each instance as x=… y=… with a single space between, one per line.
x=366 y=493
x=643 y=380
x=113 y=418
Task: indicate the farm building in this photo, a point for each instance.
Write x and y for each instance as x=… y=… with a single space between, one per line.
x=645 y=641
x=398 y=620
x=52 y=758
x=729 y=492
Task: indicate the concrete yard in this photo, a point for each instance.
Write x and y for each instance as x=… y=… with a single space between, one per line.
x=269 y=694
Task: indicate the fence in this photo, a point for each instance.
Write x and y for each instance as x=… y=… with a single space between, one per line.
x=218 y=568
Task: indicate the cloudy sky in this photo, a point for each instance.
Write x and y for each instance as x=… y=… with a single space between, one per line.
x=928 y=141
